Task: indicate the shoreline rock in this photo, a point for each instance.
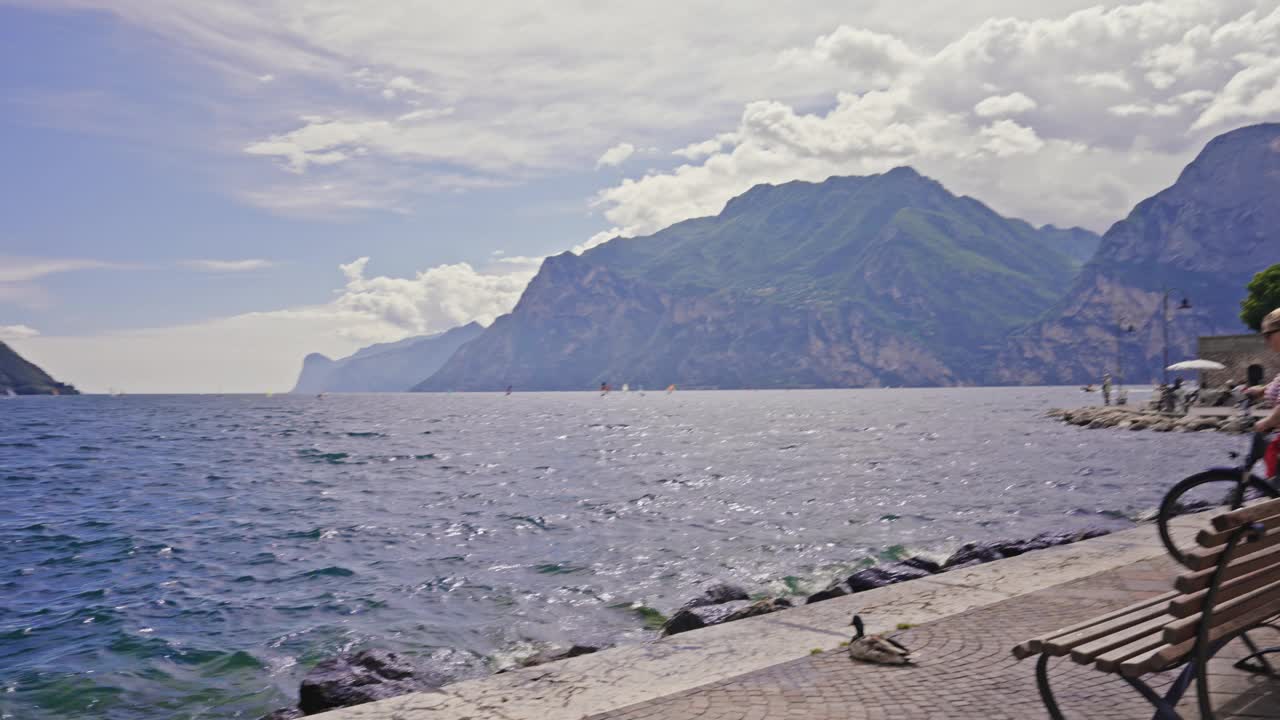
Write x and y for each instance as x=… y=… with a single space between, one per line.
x=1126 y=418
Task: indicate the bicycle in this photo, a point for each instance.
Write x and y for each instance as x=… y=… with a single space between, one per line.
x=1214 y=488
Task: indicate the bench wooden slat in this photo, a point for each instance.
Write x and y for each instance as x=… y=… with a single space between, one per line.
x=1207 y=538
x=1110 y=660
x=1203 y=559
x=1085 y=654
x=1035 y=645
x=1190 y=604
x=1199 y=580
x=1250 y=605
x=1061 y=644
x=1246 y=515
x=1168 y=655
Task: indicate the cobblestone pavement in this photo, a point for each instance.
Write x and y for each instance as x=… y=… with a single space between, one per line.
x=964 y=669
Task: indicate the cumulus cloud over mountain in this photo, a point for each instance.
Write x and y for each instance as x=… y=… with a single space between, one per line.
x=1113 y=99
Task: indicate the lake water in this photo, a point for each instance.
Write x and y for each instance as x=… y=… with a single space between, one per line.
x=192 y=556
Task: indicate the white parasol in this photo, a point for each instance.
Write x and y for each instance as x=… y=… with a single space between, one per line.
x=1197 y=365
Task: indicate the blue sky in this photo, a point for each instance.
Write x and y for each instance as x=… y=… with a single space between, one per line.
x=190 y=189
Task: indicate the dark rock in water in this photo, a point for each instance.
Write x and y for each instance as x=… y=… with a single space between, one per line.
x=716 y=593
x=289 y=713
x=366 y=676
x=699 y=617
x=702 y=616
x=760 y=607
x=923 y=563
x=881 y=575
x=834 y=590
x=981 y=552
x=873 y=577
x=553 y=655
x=970 y=553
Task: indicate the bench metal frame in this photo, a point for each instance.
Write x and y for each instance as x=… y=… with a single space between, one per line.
x=1196 y=662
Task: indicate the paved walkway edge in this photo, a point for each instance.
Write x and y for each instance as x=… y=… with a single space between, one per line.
x=630 y=674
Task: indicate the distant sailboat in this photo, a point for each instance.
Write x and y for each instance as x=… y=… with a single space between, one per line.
x=626 y=387
x=8 y=392
x=671 y=388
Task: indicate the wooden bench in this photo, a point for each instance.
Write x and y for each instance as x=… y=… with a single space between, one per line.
x=1232 y=586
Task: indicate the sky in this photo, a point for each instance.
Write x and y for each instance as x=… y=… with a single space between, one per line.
x=197 y=195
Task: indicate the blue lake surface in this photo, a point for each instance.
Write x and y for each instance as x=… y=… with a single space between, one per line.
x=193 y=556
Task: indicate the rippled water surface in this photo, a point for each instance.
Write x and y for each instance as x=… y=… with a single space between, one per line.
x=191 y=557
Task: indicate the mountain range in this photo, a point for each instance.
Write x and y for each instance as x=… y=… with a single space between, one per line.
x=888 y=280
x=856 y=281
x=24 y=378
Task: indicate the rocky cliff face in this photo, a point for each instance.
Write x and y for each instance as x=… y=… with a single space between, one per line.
x=386 y=367
x=1204 y=238
x=583 y=324
x=882 y=280
x=24 y=378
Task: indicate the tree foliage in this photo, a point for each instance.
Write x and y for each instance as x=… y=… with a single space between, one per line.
x=1264 y=296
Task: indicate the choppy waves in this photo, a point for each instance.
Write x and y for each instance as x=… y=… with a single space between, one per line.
x=191 y=556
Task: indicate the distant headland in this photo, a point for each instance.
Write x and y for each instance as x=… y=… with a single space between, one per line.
x=20 y=377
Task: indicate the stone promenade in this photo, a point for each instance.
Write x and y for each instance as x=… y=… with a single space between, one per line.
x=963 y=625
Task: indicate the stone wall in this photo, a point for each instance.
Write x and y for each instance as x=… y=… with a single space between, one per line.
x=1237 y=352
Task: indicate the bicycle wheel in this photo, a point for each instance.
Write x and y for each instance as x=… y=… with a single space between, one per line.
x=1221 y=488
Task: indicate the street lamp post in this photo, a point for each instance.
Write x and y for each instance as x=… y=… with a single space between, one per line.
x=1164 y=316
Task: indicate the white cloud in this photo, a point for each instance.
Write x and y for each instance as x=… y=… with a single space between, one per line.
x=1252 y=94
x=528 y=103
x=866 y=58
x=435 y=299
x=400 y=85
x=1110 y=138
x=1134 y=109
x=699 y=150
x=599 y=238
x=228 y=266
x=616 y=155
x=1006 y=137
x=17 y=332
x=998 y=105
x=212 y=357
x=1104 y=81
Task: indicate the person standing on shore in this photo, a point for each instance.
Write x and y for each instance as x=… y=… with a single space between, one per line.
x=1106 y=388
x=1270 y=392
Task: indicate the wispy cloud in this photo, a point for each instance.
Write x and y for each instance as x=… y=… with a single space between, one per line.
x=616 y=155
x=228 y=266
x=17 y=332
x=24 y=269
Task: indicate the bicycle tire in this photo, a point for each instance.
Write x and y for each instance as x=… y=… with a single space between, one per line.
x=1228 y=479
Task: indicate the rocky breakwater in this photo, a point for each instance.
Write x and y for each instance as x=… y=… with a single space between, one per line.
x=721 y=602
x=369 y=675
x=1124 y=418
